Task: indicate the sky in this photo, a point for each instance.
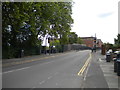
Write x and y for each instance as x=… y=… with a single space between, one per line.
x=98 y=17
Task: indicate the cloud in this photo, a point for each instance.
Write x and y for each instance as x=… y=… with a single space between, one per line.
x=104 y=15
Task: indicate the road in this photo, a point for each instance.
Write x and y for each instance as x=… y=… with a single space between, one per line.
x=67 y=70
x=94 y=77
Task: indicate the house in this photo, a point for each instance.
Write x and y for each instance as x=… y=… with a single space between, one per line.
x=92 y=41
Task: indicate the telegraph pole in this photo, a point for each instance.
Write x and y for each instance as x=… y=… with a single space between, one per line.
x=95 y=42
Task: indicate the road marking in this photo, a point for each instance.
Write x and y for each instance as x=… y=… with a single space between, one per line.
x=86 y=72
x=33 y=88
x=84 y=66
x=100 y=59
x=31 y=60
x=26 y=62
x=15 y=70
x=56 y=84
x=84 y=51
x=50 y=77
x=48 y=62
x=56 y=73
x=52 y=56
x=42 y=82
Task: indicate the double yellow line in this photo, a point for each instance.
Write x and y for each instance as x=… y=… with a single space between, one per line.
x=85 y=66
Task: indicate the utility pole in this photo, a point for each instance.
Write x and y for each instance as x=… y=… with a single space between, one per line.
x=95 y=42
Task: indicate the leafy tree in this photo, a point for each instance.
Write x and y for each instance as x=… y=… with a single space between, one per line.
x=79 y=40
x=11 y=22
x=55 y=43
x=63 y=17
x=117 y=41
x=22 y=22
x=73 y=37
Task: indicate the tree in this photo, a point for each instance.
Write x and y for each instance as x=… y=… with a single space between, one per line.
x=56 y=44
x=117 y=41
x=22 y=22
x=79 y=40
x=73 y=37
x=11 y=22
x=64 y=20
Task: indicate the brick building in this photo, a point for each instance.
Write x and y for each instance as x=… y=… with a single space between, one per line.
x=99 y=43
x=89 y=41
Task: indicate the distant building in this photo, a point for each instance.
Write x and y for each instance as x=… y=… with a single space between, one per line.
x=90 y=42
x=99 y=43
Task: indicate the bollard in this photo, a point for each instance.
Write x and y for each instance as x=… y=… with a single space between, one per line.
x=115 y=65
x=118 y=67
x=108 y=58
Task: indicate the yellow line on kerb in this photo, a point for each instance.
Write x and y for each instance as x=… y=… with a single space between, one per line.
x=31 y=60
x=84 y=66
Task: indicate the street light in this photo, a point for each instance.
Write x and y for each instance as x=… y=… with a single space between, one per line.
x=95 y=43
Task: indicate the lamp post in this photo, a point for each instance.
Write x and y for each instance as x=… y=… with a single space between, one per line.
x=95 y=42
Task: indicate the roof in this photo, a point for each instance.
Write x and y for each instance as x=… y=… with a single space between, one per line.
x=86 y=37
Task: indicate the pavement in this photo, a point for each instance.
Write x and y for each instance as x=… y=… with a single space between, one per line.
x=111 y=77
x=101 y=74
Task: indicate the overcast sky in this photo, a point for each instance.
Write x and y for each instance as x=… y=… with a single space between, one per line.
x=96 y=16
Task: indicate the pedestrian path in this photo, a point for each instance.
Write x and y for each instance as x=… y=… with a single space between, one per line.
x=101 y=74
x=110 y=76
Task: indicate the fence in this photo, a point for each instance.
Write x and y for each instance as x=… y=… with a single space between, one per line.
x=75 y=47
x=18 y=52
